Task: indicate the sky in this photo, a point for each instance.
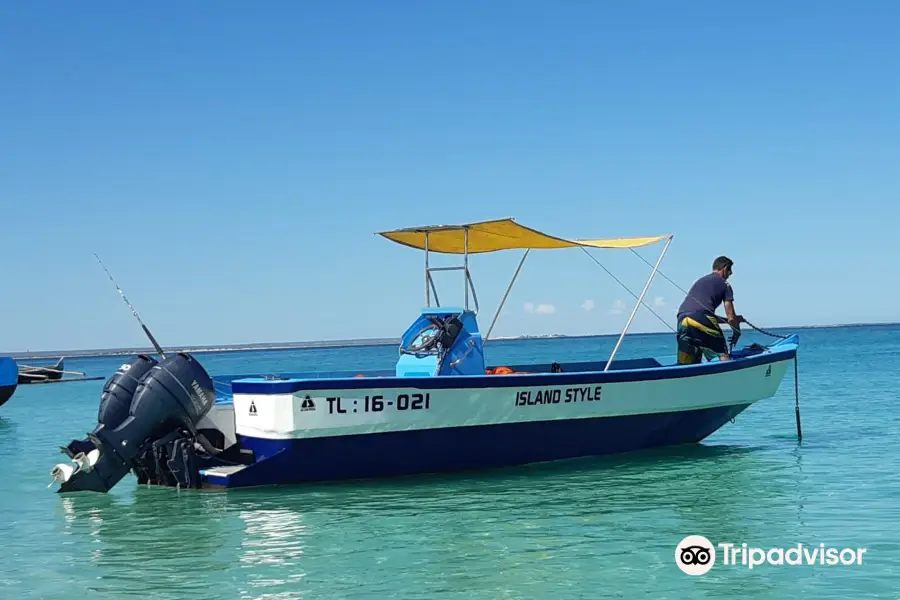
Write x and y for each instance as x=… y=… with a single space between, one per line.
x=230 y=162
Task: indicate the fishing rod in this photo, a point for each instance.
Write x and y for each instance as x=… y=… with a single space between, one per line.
x=133 y=311
x=144 y=327
x=201 y=439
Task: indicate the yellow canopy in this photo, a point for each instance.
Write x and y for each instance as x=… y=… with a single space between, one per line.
x=499 y=234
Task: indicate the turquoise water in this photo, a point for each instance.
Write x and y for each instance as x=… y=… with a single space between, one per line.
x=588 y=529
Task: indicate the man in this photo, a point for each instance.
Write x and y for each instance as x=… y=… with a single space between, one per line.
x=699 y=333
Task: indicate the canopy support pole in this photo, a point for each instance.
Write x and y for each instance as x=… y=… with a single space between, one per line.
x=466 y=265
x=468 y=284
x=427 y=275
x=637 y=304
x=505 y=295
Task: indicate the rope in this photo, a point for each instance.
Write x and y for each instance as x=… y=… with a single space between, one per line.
x=667 y=278
x=764 y=332
x=736 y=335
x=635 y=296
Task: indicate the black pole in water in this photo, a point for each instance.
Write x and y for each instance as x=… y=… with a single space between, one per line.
x=797 y=400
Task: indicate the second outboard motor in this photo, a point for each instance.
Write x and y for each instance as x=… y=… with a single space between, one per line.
x=169 y=397
x=118 y=393
x=115 y=400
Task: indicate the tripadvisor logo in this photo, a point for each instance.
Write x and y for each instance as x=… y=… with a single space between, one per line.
x=696 y=555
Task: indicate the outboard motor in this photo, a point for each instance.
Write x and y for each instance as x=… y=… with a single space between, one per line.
x=147 y=418
x=115 y=400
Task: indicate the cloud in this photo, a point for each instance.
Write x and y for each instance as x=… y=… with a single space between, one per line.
x=540 y=309
x=618 y=307
x=588 y=305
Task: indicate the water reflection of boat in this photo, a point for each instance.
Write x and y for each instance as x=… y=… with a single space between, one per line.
x=134 y=542
x=431 y=534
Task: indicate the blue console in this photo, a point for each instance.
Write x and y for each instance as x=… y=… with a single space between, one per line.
x=441 y=341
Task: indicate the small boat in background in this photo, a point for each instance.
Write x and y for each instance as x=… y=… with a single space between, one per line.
x=442 y=407
x=14 y=374
x=30 y=374
x=38 y=374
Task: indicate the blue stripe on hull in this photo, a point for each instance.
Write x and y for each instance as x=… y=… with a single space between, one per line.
x=462 y=448
x=6 y=392
x=289 y=386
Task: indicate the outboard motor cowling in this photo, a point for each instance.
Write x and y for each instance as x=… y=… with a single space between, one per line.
x=177 y=391
x=115 y=400
x=168 y=400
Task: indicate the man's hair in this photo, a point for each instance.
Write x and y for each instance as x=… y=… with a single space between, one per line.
x=723 y=262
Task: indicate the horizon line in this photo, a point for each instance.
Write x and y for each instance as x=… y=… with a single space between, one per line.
x=355 y=342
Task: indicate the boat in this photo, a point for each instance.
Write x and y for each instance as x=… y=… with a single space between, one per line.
x=40 y=374
x=32 y=374
x=442 y=407
x=8 y=378
x=13 y=374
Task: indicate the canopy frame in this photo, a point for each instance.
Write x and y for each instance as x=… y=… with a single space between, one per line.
x=468 y=286
x=506 y=234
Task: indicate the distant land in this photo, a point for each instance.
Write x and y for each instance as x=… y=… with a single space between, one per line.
x=363 y=342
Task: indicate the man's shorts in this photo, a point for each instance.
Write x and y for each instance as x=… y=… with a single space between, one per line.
x=699 y=337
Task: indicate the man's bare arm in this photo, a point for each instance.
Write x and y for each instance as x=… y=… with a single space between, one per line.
x=734 y=320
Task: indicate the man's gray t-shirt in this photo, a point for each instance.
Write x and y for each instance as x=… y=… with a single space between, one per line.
x=705 y=296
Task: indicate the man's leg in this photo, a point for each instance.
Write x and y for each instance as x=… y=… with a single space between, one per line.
x=717 y=342
x=708 y=337
x=711 y=353
x=689 y=352
x=715 y=346
x=689 y=356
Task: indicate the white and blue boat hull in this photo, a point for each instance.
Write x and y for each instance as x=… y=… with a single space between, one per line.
x=350 y=429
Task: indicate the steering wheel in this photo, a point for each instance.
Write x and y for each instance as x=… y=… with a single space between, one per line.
x=426 y=338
